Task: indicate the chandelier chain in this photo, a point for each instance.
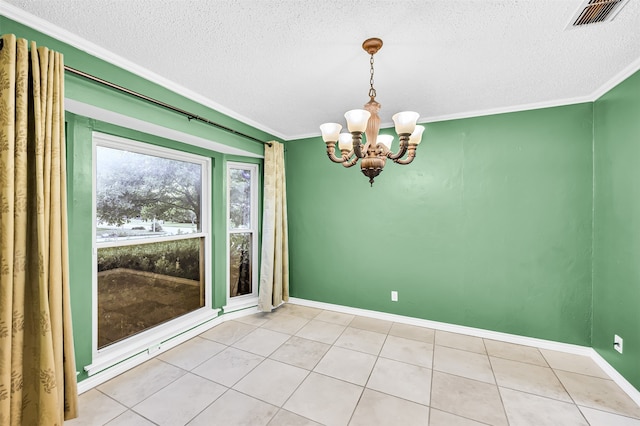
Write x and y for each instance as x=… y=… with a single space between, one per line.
x=372 y=91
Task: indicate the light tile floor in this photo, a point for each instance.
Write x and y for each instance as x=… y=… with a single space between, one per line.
x=305 y=366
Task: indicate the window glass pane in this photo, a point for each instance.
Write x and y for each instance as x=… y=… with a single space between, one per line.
x=141 y=195
x=240 y=263
x=239 y=198
x=152 y=193
x=143 y=285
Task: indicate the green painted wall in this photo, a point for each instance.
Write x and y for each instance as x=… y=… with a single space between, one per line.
x=616 y=239
x=79 y=162
x=489 y=227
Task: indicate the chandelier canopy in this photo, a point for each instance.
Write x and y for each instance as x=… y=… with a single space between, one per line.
x=377 y=149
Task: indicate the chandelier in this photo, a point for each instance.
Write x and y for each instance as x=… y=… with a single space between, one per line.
x=377 y=149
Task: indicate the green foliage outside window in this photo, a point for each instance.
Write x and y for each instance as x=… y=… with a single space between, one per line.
x=179 y=258
x=132 y=185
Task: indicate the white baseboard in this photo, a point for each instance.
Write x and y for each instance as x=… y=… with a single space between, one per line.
x=616 y=376
x=627 y=387
x=471 y=331
x=244 y=302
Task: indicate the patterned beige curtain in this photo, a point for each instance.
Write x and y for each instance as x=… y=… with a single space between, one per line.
x=274 y=270
x=37 y=367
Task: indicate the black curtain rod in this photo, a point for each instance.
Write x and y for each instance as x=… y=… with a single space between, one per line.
x=189 y=115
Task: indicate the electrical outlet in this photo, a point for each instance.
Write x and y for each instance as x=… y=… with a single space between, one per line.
x=617 y=343
x=394 y=296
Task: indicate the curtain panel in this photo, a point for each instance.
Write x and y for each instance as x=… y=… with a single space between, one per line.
x=37 y=367
x=274 y=269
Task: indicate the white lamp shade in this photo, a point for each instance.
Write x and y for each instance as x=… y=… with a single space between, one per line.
x=405 y=121
x=416 y=136
x=330 y=131
x=357 y=120
x=385 y=140
x=345 y=141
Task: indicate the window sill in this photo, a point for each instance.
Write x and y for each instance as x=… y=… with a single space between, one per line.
x=237 y=305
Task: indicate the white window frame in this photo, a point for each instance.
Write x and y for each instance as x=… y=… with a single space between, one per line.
x=153 y=339
x=246 y=300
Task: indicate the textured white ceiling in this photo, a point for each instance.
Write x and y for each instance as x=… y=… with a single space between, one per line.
x=290 y=65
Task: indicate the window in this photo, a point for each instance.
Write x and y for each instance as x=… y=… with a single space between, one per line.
x=151 y=238
x=242 y=227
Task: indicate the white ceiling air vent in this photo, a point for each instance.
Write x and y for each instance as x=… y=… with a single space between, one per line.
x=595 y=11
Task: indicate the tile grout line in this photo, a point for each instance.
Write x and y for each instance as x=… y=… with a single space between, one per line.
x=127 y=408
x=208 y=405
x=118 y=402
x=495 y=379
x=433 y=360
x=565 y=388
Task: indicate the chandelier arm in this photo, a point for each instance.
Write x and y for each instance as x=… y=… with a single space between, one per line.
x=331 y=149
x=399 y=154
x=350 y=163
x=346 y=155
x=410 y=156
x=357 y=145
x=404 y=138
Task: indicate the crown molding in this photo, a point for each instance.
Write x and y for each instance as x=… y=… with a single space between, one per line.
x=46 y=27
x=478 y=113
x=507 y=110
x=627 y=72
x=67 y=37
